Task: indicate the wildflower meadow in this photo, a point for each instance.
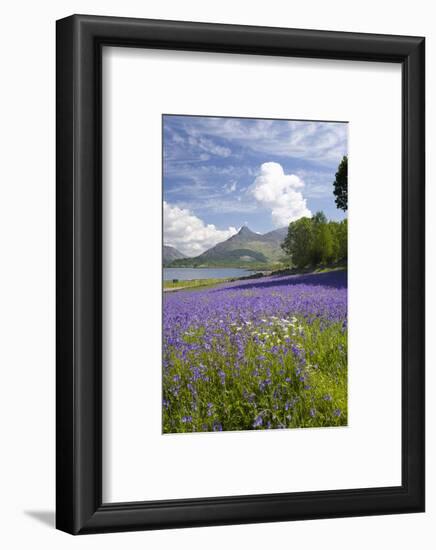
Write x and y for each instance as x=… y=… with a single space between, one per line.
x=256 y=354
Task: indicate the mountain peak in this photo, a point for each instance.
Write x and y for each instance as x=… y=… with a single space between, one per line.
x=245 y=231
x=170 y=253
x=243 y=249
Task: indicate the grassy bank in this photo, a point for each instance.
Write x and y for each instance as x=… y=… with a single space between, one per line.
x=209 y=283
x=340 y=266
x=195 y=283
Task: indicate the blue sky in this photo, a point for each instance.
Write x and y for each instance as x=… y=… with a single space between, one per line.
x=222 y=173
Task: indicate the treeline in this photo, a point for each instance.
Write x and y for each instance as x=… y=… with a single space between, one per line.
x=316 y=241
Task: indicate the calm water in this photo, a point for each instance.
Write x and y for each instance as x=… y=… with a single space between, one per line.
x=189 y=273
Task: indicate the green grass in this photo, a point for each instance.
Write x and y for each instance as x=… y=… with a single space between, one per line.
x=274 y=388
x=309 y=270
x=195 y=283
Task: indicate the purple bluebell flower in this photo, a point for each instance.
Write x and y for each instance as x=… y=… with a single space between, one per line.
x=258 y=421
x=222 y=376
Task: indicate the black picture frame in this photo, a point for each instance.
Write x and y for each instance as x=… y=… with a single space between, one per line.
x=79 y=507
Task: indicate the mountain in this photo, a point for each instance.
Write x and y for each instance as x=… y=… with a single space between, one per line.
x=245 y=249
x=277 y=235
x=169 y=254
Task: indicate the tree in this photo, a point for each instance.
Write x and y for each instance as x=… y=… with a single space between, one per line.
x=322 y=251
x=319 y=218
x=341 y=184
x=322 y=242
x=315 y=241
x=334 y=232
x=342 y=238
x=299 y=242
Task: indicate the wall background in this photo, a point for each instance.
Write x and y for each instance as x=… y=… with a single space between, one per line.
x=27 y=272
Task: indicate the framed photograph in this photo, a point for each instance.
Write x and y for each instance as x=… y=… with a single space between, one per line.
x=240 y=274
x=254 y=322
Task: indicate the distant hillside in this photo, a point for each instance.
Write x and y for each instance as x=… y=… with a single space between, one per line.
x=169 y=254
x=245 y=249
x=278 y=235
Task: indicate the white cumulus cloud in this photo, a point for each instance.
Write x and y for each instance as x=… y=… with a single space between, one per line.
x=188 y=233
x=281 y=193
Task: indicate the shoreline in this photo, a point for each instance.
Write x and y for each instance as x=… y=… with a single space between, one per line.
x=199 y=284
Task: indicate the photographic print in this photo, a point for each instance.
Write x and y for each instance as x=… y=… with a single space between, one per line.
x=254 y=274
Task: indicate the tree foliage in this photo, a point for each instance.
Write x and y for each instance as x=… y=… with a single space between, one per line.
x=316 y=241
x=341 y=185
x=299 y=241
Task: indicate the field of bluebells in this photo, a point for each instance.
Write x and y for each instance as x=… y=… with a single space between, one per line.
x=256 y=354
